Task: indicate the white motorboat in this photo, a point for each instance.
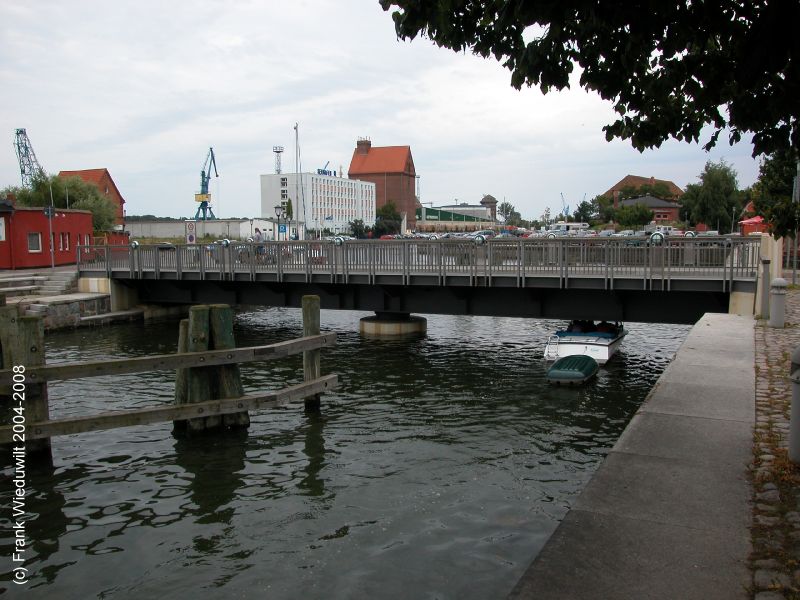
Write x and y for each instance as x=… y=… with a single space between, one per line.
x=599 y=341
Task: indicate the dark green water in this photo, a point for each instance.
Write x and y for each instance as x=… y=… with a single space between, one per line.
x=438 y=469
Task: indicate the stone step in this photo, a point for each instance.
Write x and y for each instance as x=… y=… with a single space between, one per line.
x=23 y=290
x=11 y=282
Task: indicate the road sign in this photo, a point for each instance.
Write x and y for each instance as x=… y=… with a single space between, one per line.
x=281 y=228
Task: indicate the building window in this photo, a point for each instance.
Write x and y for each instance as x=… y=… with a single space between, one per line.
x=2 y=229
x=66 y=241
x=284 y=194
x=61 y=242
x=34 y=242
x=284 y=182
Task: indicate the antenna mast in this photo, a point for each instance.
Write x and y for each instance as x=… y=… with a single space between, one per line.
x=278 y=150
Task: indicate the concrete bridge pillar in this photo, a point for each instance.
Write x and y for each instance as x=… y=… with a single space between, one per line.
x=393 y=324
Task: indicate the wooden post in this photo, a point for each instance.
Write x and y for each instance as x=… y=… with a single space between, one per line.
x=199 y=379
x=8 y=333
x=182 y=375
x=228 y=378
x=311 y=358
x=28 y=351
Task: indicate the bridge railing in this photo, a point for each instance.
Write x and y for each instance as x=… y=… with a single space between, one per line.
x=725 y=258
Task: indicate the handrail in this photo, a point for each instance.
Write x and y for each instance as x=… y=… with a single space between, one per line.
x=712 y=257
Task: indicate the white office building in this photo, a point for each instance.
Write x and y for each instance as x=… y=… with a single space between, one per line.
x=320 y=200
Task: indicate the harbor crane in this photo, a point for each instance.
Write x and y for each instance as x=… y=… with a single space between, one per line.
x=29 y=167
x=204 y=197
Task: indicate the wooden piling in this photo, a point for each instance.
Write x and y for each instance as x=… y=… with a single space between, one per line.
x=28 y=351
x=8 y=332
x=227 y=377
x=194 y=384
x=311 y=358
x=182 y=375
x=207 y=328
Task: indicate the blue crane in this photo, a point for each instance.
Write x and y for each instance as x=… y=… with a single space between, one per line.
x=204 y=198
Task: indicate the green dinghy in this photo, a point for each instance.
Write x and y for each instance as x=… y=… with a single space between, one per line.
x=572 y=370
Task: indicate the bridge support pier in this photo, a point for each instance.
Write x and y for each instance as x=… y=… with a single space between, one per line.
x=393 y=324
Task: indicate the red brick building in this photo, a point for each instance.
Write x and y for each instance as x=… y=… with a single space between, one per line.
x=102 y=180
x=664 y=211
x=25 y=238
x=635 y=181
x=391 y=169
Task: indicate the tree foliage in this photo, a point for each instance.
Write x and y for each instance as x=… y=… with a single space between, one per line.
x=668 y=68
x=387 y=220
x=636 y=214
x=772 y=193
x=358 y=229
x=504 y=209
x=715 y=201
x=69 y=192
x=585 y=212
x=657 y=190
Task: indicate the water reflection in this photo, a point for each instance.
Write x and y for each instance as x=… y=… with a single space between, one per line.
x=447 y=458
x=314 y=448
x=215 y=460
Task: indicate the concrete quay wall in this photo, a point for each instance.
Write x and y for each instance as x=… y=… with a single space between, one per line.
x=667 y=515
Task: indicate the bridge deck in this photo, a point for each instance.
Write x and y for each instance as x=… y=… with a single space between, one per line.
x=678 y=263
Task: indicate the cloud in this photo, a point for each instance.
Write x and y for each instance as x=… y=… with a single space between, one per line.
x=145 y=88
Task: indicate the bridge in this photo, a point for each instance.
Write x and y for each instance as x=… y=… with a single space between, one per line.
x=672 y=280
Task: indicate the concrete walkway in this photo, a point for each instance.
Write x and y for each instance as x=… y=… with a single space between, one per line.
x=668 y=513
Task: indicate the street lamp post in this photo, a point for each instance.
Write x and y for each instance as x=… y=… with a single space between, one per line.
x=279 y=212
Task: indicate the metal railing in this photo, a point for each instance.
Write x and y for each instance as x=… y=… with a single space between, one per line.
x=716 y=258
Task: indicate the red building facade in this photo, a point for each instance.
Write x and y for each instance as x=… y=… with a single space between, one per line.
x=25 y=236
x=391 y=169
x=101 y=178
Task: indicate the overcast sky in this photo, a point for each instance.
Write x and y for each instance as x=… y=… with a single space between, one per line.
x=145 y=88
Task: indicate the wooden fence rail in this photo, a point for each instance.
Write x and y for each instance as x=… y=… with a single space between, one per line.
x=165 y=362
x=208 y=394
x=162 y=414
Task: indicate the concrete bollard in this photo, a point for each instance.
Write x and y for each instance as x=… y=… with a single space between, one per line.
x=794 y=413
x=764 y=290
x=777 y=302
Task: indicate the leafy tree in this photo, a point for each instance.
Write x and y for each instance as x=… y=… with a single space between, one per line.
x=631 y=216
x=585 y=212
x=716 y=199
x=70 y=192
x=515 y=219
x=604 y=208
x=387 y=220
x=658 y=190
x=669 y=68
x=358 y=229
x=505 y=209
x=772 y=193
x=288 y=211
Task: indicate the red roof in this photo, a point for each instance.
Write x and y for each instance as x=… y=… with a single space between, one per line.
x=94 y=176
x=636 y=181
x=382 y=159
